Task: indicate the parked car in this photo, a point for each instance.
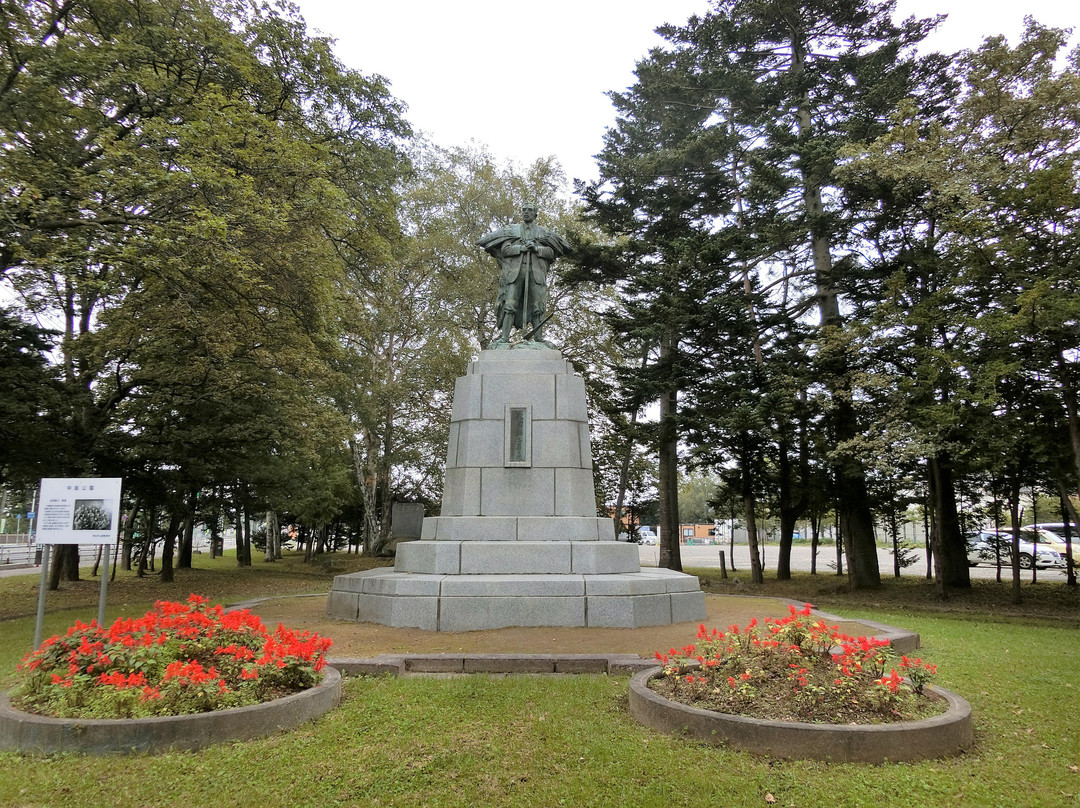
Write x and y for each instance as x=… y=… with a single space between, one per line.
x=1054 y=536
x=646 y=536
x=1057 y=528
x=987 y=547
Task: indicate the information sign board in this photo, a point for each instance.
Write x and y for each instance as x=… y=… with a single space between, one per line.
x=79 y=510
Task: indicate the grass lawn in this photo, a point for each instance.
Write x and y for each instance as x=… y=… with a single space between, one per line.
x=547 y=741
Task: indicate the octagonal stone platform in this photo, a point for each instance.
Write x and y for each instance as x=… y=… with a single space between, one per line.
x=518 y=542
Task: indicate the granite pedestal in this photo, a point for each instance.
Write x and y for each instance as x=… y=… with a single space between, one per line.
x=518 y=541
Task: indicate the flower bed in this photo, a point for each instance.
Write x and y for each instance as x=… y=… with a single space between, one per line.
x=180 y=661
x=796 y=669
x=797 y=687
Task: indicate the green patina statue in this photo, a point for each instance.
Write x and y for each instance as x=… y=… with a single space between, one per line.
x=524 y=252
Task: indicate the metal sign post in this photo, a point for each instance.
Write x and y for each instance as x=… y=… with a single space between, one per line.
x=41 y=595
x=104 y=584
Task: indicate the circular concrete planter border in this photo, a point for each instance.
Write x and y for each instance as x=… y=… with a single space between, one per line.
x=941 y=736
x=24 y=732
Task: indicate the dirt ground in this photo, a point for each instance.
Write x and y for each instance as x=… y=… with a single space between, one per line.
x=365 y=640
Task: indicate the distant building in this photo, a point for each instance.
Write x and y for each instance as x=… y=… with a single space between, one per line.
x=698 y=534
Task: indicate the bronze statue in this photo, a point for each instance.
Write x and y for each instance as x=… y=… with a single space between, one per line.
x=524 y=253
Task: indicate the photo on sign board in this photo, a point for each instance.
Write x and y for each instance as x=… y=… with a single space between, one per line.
x=92 y=514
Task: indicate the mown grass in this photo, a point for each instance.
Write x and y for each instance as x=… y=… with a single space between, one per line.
x=1045 y=600
x=549 y=741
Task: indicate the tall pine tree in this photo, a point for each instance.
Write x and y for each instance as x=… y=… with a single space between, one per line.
x=747 y=108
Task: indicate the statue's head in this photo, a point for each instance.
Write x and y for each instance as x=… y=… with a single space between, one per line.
x=528 y=211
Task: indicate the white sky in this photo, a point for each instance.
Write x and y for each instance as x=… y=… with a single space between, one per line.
x=466 y=76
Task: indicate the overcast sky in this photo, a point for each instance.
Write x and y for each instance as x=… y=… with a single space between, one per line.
x=529 y=80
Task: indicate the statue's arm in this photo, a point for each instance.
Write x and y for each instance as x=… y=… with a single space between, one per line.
x=554 y=244
x=493 y=242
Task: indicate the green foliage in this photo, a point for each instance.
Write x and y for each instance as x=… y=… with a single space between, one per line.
x=796 y=668
x=726 y=225
x=969 y=290
x=181 y=184
x=178 y=659
x=31 y=433
x=696 y=493
x=414 y=319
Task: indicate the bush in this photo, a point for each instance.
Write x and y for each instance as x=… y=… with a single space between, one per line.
x=177 y=659
x=796 y=669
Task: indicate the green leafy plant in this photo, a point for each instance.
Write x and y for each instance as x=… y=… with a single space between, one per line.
x=178 y=658
x=796 y=669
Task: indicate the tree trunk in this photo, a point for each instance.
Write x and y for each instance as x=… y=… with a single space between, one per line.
x=941 y=580
x=364 y=468
x=624 y=467
x=791 y=509
x=788 y=514
x=749 y=513
x=144 y=550
x=1068 y=396
x=1069 y=519
x=247 y=537
x=65 y=565
x=273 y=537
x=950 y=539
x=243 y=548
x=304 y=537
x=856 y=520
x=188 y=535
x=129 y=535
x=894 y=534
x=1014 y=512
x=175 y=525
x=624 y=479
x=839 y=542
x=383 y=481
x=668 y=473
x=788 y=519
x=928 y=547
x=215 y=525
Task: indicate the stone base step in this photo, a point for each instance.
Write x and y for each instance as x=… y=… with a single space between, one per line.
x=517 y=557
x=518 y=528
x=479 y=602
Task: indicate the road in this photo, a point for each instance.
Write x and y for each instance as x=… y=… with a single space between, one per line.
x=709 y=556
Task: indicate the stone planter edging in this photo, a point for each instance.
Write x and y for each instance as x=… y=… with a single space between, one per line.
x=37 y=734
x=941 y=736
x=441 y=664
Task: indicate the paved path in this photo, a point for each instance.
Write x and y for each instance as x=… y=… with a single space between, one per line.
x=8 y=571
x=365 y=640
